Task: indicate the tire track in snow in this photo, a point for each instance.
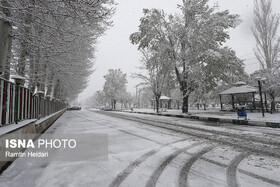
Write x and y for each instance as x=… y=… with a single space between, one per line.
x=126 y=132
x=250 y=174
x=183 y=176
x=270 y=181
x=156 y=174
x=256 y=145
x=123 y=175
x=238 y=134
x=232 y=169
x=130 y=133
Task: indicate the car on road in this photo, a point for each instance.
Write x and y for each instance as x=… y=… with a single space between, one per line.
x=105 y=108
x=74 y=108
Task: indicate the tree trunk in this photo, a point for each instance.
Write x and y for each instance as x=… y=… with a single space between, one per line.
x=50 y=85
x=34 y=70
x=43 y=72
x=8 y=60
x=5 y=27
x=113 y=104
x=184 y=88
x=5 y=37
x=31 y=84
x=272 y=106
x=37 y=71
x=56 y=90
x=157 y=103
x=185 y=107
x=49 y=90
x=22 y=59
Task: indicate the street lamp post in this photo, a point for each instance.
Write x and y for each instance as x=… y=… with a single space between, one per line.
x=259 y=79
x=135 y=103
x=139 y=97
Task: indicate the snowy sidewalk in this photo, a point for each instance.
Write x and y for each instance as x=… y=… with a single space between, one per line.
x=215 y=115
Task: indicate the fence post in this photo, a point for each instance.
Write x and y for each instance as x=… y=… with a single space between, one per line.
x=5 y=91
x=19 y=80
x=48 y=105
x=41 y=104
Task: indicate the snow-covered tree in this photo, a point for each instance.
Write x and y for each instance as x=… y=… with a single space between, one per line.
x=125 y=99
x=193 y=41
x=157 y=68
x=217 y=72
x=5 y=34
x=54 y=41
x=115 y=85
x=98 y=99
x=270 y=85
x=146 y=97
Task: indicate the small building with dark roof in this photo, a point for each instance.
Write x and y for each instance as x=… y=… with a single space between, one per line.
x=241 y=94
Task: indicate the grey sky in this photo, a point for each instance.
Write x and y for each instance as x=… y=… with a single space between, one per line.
x=116 y=51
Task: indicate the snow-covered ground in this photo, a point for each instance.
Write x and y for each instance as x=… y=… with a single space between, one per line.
x=216 y=113
x=158 y=151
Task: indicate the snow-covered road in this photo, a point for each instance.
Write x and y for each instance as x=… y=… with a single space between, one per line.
x=147 y=150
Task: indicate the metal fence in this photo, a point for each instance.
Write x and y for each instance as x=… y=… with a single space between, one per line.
x=18 y=103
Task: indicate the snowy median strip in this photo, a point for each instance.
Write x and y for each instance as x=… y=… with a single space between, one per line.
x=216 y=119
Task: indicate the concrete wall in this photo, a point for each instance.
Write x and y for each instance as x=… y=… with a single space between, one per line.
x=27 y=131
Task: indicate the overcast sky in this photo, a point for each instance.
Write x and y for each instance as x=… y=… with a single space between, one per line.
x=116 y=51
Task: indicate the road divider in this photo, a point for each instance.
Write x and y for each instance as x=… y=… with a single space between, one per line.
x=214 y=119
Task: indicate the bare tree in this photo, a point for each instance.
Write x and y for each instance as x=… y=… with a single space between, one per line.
x=267 y=50
x=265 y=31
x=157 y=66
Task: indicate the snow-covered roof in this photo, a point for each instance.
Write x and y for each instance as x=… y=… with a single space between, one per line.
x=40 y=92
x=240 y=83
x=240 y=89
x=164 y=98
x=17 y=77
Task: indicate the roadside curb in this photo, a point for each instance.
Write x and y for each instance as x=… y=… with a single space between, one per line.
x=215 y=120
x=29 y=130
